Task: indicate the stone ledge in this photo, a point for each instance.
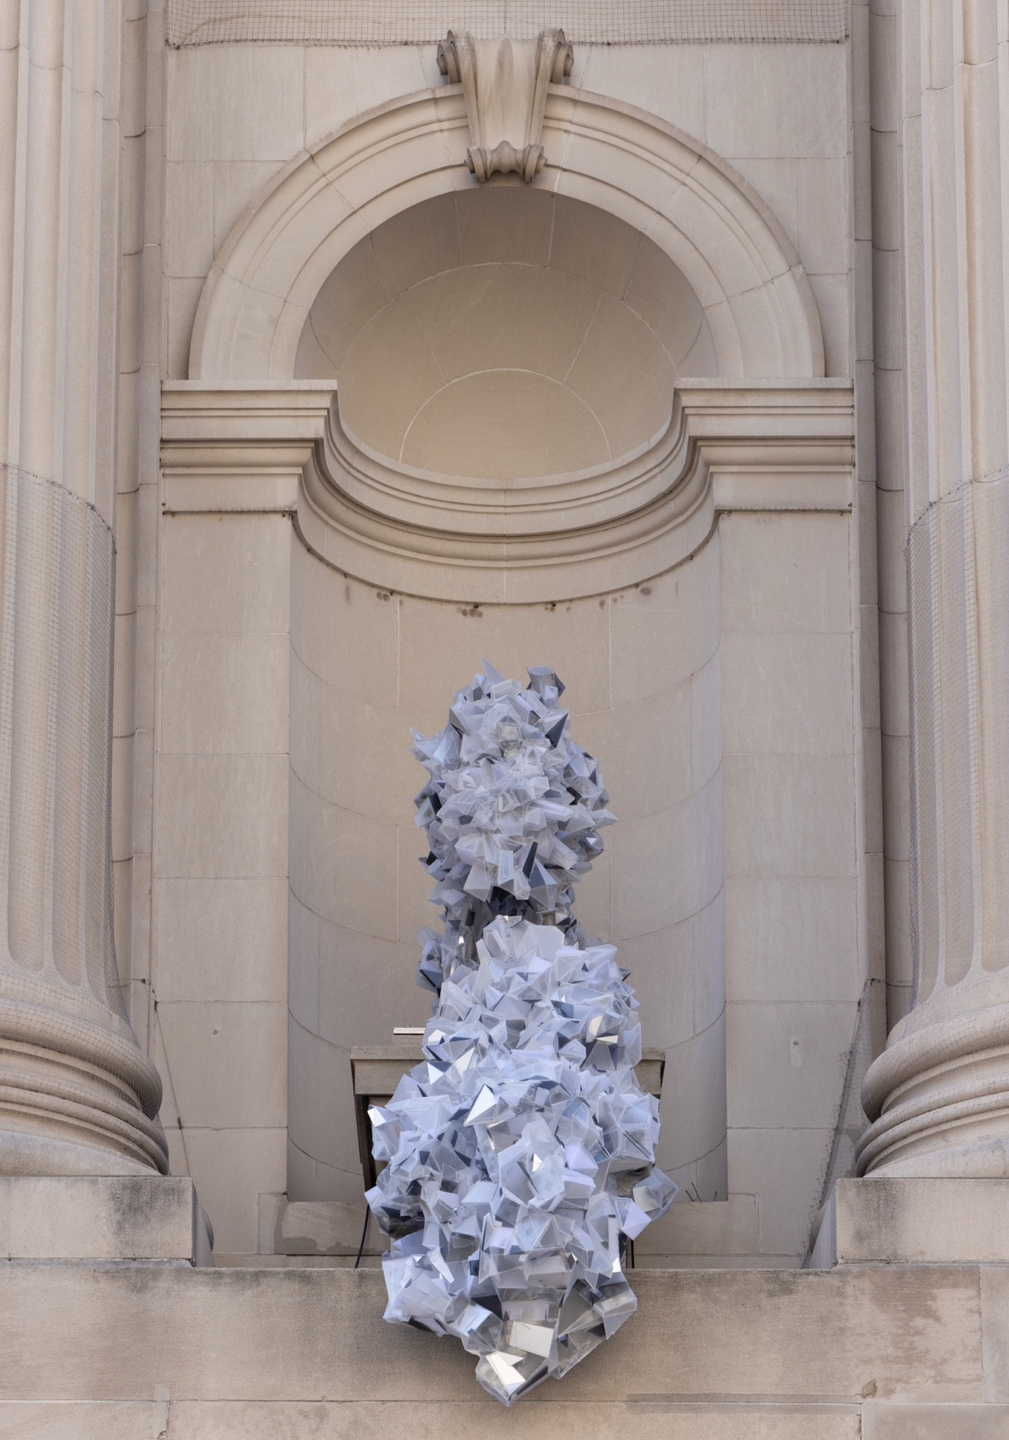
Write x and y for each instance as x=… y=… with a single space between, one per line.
x=895 y=1334
x=914 y=1221
x=102 y=1217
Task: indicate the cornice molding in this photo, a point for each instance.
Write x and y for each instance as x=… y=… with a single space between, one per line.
x=758 y=447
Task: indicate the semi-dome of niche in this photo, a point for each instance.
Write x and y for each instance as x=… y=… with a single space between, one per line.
x=505 y=333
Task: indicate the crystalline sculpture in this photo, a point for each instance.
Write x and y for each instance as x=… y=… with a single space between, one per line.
x=520 y=1154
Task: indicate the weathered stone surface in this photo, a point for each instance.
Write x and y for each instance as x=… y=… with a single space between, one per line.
x=102 y=1420
x=915 y=1220
x=935 y=1422
x=701 y=1337
x=995 y=1333
x=98 y=1217
x=532 y=1420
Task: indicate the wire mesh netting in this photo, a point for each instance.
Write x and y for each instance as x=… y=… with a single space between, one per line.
x=56 y=618
x=958 y=587
x=586 y=22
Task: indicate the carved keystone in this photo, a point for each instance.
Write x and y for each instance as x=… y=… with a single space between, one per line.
x=505 y=82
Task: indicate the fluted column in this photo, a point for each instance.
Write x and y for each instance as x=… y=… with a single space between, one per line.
x=939 y=1094
x=76 y=1093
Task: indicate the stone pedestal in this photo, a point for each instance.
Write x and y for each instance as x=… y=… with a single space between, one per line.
x=134 y=1217
x=884 y=1220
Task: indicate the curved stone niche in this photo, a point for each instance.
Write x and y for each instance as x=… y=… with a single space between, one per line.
x=644 y=683
x=504 y=334
x=508 y=429
x=506 y=423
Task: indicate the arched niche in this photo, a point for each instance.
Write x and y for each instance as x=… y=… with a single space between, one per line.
x=505 y=334
x=593 y=549
x=734 y=254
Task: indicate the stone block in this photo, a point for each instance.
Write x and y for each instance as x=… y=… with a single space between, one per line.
x=791 y=939
x=89 y=1420
x=710 y=1228
x=343 y=863
x=789 y=815
x=357 y=652
x=799 y=1052
x=322 y=1227
x=222 y=816
x=661 y=726
x=995 y=1332
x=232 y=1169
x=228 y=1062
x=667 y=866
x=787 y=104
x=243 y=103
x=786 y=572
x=784 y=1169
x=696 y=1126
x=225 y=575
x=667 y=80
x=935 y=1422
x=663 y=966
x=224 y=694
x=787 y=694
x=222 y=940
x=99 y=1217
x=915 y=1221
x=667 y=630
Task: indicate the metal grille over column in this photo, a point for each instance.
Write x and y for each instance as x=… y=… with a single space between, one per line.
x=939 y=1094
x=77 y=1095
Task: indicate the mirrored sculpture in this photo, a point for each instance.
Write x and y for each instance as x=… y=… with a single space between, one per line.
x=519 y=1155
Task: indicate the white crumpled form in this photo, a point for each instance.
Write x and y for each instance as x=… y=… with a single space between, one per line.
x=512 y=813
x=520 y=1153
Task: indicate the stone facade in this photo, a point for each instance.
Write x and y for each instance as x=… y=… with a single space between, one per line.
x=341 y=346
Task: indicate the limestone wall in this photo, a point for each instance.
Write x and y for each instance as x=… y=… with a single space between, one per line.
x=737 y=882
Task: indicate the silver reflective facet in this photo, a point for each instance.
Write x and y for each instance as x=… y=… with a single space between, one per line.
x=519 y=1156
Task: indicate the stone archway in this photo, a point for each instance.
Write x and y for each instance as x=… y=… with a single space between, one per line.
x=734 y=254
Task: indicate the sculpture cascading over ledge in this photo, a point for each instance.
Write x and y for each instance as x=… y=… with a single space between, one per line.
x=520 y=1153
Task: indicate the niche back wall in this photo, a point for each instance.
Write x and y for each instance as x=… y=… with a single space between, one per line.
x=643 y=675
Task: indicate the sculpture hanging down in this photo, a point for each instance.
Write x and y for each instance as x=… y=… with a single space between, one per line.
x=522 y=1150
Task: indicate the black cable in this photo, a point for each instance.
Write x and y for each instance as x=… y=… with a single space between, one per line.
x=364 y=1236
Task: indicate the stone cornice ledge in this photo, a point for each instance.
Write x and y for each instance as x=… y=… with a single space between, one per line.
x=771 y=445
x=240 y=448
x=756 y=445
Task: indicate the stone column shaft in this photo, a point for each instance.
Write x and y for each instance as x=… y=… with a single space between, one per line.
x=939 y=1094
x=76 y=1093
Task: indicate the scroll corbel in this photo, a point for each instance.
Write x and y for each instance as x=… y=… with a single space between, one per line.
x=505 y=83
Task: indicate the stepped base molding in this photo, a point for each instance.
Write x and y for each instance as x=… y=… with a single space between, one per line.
x=79 y=1109
x=938 y=1096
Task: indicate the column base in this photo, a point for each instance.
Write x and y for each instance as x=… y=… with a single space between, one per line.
x=938 y=1095
x=66 y=1113
x=911 y=1220
x=30 y=1154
